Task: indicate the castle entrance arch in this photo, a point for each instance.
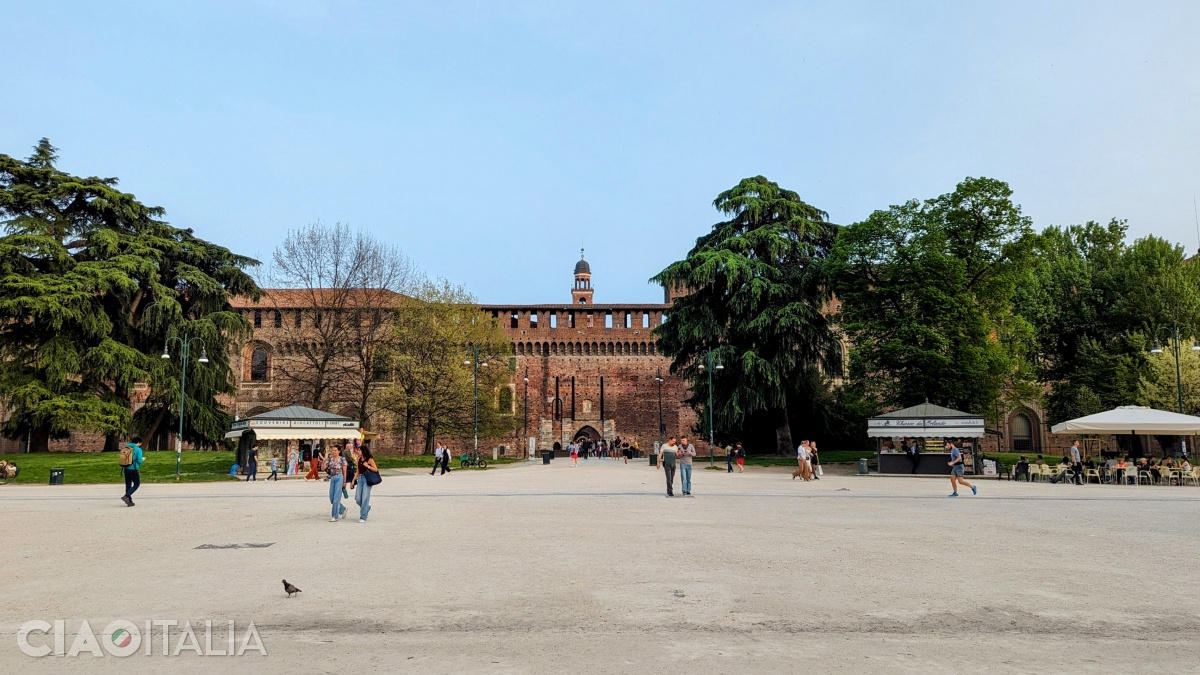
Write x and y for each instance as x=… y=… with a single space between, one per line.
x=587 y=433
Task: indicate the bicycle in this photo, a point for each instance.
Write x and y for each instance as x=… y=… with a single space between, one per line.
x=473 y=461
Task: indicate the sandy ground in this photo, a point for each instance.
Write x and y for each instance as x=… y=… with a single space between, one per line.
x=551 y=569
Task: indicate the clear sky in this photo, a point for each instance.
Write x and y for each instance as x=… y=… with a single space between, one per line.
x=490 y=139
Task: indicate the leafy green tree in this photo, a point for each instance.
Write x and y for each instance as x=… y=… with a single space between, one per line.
x=1096 y=304
x=91 y=281
x=755 y=297
x=1157 y=387
x=926 y=291
x=431 y=357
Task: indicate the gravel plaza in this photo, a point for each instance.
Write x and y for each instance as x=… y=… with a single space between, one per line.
x=547 y=569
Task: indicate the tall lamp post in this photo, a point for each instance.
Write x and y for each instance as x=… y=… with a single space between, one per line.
x=185 y=348
x=525 y=422
x=659 y=379
x=708 y=359
x=477 y=364
x=1174 y=345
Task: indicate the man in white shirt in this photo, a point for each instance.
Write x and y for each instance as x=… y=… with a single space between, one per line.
x=666 y=459
x=439 y=459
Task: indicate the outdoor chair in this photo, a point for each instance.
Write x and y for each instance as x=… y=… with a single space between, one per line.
x=1193 y=475
x=1089 y=474
x=1035 y=473
x=1144 y=475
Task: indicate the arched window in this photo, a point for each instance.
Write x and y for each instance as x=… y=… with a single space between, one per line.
x=1022 y=433
x=521 y=349
x=258 y=364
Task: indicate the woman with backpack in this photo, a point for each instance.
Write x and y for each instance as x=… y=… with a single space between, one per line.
x=366 y=478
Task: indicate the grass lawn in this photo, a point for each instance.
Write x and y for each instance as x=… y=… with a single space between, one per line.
x=102 y=467
x=426 y=461
x=159 y=467
x=827 y=457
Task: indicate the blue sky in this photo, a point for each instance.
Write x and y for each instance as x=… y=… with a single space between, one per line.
x=490 y=139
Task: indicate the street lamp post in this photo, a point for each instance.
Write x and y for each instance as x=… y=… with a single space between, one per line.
x=659 y=379
x=185 y=348
x=477 y=364
x=708 y=357
x=525 y=422
x=1176 y=348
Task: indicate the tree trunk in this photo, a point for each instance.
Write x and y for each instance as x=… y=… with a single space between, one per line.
x=429 y=439
x=783 y=435
x=39 y=439
x=408 y=429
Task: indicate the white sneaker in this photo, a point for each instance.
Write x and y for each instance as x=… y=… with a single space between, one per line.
x=333 y=520
x=362 y=520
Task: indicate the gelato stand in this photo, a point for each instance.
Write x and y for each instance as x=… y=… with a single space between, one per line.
x=929 y=427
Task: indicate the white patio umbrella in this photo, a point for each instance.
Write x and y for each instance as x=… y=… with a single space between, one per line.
x=1131 y=419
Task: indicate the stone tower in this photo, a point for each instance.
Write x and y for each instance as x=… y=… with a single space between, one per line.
x=582 y=293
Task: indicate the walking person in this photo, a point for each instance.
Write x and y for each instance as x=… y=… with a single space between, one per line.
x=366 y=478
x=315 y=461
x=445 y=460
x=131 y=466
x=666 y=460
x=437 y=459
x=685 y=454
x=252 y=464
x=274 y=469
x=335 y=466
x=1076 y=464
x=802 y=461
x=956 y=470
x=814 y=460
x=574 y=454
x=729 y=459
x=740 y=457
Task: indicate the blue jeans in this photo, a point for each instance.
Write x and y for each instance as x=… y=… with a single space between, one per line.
x=362 y=497
x=336 y=483
x=685 y=478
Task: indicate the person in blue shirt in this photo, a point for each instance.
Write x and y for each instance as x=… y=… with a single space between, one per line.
x=132 y=470
x=956 y=470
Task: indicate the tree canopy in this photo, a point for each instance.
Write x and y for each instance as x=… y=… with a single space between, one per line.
x=755 y=291
x=926 y=299
x=91 y=282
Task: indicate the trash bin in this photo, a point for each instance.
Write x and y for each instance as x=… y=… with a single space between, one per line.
x=546 y=457
x=862 y=467
x=56 y=476
x=653 y=459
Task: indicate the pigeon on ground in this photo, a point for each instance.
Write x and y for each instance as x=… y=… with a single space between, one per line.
x=289 y=588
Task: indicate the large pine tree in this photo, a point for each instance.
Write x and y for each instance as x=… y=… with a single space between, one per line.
x=91 y=282
x=755 y=298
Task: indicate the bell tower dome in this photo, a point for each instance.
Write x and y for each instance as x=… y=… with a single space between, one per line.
x=582 y=293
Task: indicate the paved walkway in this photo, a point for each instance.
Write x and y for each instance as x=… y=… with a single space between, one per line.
x=552 y=569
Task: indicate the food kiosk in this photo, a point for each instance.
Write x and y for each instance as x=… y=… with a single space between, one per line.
x=292 y=427
x=929 y=426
